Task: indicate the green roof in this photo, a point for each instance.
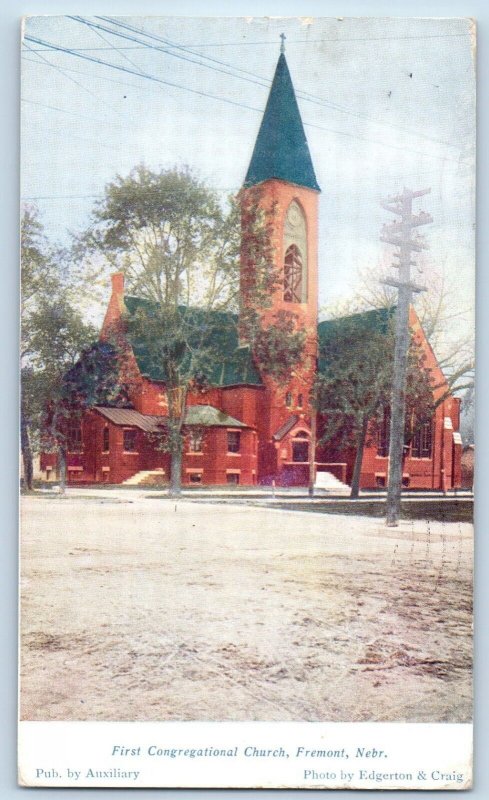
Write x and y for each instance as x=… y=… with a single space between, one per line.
x=234 y=366
x=359 y=325
x=205 y=416
x=281 y=149
x=210 y=417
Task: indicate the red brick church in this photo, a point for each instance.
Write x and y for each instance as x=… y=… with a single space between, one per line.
x=245 y=429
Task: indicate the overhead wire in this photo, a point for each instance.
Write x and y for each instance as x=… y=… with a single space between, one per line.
x=139 y=74
x=308 y=96
x=172 y=84
x=63 y=72
x=335 y=40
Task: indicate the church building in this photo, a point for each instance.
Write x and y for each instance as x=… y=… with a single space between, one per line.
x=245 y=429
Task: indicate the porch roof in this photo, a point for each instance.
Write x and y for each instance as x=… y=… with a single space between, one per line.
x=285 y=428
x=202 y=415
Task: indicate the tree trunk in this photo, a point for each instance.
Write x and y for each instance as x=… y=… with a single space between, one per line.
x=25 y=446
x=62 y=469
x=176 y=472
x=362 y=435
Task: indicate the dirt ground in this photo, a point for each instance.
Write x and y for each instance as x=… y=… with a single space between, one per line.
x=143 y=609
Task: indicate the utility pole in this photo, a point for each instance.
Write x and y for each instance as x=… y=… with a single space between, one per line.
x=400 y=234
x=312 y=453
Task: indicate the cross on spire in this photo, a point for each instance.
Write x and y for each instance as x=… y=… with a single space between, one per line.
x=282 y=43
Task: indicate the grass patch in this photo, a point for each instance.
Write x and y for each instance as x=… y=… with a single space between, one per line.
x=442 y=510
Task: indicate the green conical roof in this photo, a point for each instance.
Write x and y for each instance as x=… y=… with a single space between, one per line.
x=281 y=149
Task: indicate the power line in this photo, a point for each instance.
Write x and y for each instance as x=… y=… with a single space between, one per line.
x=90 y=49
x=335 y=40
x=311 y=98
x=461 y=163
x=112 y=46
x=68 y=50
x=260 y=82
x=78 y=71
x=224 y=99
x=68 y=111
x=62 y=72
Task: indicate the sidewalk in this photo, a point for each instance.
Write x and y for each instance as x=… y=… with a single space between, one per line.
x=266 y=493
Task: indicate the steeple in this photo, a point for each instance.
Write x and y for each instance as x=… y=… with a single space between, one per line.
x=281 y=149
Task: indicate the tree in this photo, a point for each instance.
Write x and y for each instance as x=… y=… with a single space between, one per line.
x=41 y=283
x=439 y=312
x=353 y=383
x=91 y=377
x=179 y=249
x=34 y=274
x=57 y=338
x=61 y=374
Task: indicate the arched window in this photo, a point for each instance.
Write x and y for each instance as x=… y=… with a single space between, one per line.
x=293 y=275
x=288 y=399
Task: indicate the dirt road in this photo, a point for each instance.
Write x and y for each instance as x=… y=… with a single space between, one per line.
x=141 y=609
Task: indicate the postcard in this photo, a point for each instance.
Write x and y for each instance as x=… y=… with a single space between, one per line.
x=247 y=409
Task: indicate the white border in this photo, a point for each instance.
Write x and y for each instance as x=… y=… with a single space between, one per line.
x=10 y=13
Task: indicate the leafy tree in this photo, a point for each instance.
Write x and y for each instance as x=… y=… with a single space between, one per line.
x=75 y=382
x=57 y=337
x=354 y=381
x=61 y=374
x=439 y=312
x=40 y=285
x=179 y=249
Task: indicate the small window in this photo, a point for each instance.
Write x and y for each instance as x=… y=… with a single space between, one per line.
x=106 y=440
x=299 y=401
x=234 y=441
x=233 y=478
x=300 y=451
x=405 y=482
x=195 y=439
x=74 y=474
x=380 y=481
x=74 y=437
x=288 y=399
x=130 y=440
x=195 y=477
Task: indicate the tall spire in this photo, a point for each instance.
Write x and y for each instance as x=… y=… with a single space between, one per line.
x=281 y=149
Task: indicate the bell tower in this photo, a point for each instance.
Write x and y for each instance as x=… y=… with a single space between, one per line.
x=282 y=173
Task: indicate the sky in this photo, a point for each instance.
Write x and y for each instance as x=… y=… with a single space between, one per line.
x=386 y=104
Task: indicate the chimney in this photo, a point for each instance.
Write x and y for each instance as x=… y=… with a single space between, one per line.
x=117 y=279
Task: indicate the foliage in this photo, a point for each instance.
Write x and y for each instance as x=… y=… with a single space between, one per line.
x=354 y=382
x=447 y=327
x=179 y=248
x=55 y=383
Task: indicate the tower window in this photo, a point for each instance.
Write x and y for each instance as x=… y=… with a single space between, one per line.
x=293 y=275
x=299 y=401
x=288 y=399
